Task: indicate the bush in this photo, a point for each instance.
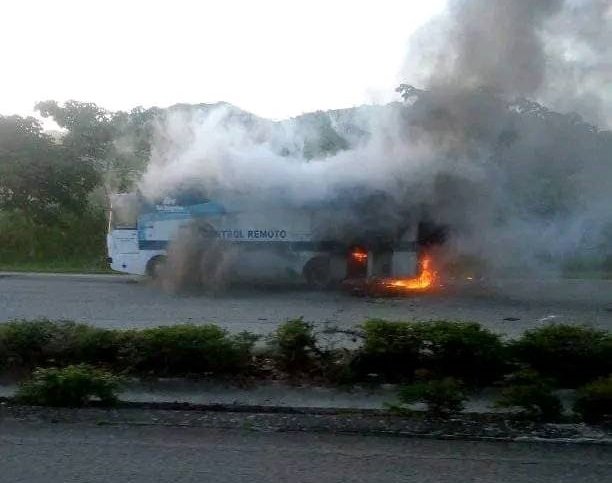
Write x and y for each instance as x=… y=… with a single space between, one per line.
x=533 y=394
x=390 y=349
x=572 y=355
x=293 y=344
x=172 y=350
x=28 y=344
x=457 y=349
x=187 y=349
x=23 y=343
x=463 y=350
x=73 y=343
x=72 y=386
x=594 y=401
x=443 y=397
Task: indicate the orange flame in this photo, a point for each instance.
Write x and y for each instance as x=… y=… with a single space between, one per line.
x=425 y=279
x=360 y=256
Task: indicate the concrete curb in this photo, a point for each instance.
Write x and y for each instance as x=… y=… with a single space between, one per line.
x=468 y=426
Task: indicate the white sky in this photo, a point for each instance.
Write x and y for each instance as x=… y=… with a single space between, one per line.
x=272 y=57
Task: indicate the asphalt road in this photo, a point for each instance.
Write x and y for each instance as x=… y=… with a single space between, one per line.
x=120 y=301
x=78 y=452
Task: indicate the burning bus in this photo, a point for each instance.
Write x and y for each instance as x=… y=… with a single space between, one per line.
x=317 y=245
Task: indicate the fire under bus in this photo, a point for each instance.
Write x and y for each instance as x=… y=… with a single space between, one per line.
x=277 y=243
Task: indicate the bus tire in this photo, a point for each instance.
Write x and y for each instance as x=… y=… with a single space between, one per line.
x=317 y=272
x=155 y=267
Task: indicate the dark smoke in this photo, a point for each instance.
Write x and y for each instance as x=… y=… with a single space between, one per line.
x=554 y=51
x=521 y=186
x=496 y=44
x=494 y=147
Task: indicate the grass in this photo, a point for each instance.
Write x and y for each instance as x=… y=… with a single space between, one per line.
x=56 y=266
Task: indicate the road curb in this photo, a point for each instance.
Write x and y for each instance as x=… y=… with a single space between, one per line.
x=470 y=427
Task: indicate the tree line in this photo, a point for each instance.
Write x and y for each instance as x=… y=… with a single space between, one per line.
x=53 y=185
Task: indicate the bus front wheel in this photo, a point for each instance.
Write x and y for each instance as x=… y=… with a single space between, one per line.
x=155 y=267
x=317 y=272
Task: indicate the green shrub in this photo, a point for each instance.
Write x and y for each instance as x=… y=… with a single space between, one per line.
x=594 y=401
x=28 y=344
x=572 y=355
x=457 y=349
x=390 y=349
x=443 y=397
x=72 y=386
x=187 y=349
x=24 y=343
x=463 y=350
x=73 y=343
x=293 y=344
x=172 y=350
x=533 y=394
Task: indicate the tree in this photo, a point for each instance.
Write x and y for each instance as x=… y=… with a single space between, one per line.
x=38 y=177
x=117 y=143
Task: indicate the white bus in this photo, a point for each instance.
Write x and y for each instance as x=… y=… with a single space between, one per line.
x=275 y=242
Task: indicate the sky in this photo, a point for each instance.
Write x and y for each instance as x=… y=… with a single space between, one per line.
x=275 y=58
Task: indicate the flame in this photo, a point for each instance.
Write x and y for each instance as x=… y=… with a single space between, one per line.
x=359 y=256
x=425 y=279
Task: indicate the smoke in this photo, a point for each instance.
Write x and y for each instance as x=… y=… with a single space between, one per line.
x=554 y=51
x=495 y=44
x=217 y=152
x=517 y=184
x=545 y=177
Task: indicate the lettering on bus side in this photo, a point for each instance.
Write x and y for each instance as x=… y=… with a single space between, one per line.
x=229 y=234
x=267 y=234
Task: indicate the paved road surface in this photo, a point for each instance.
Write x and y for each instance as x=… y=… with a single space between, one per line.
x=120 y=301
x=65 y=453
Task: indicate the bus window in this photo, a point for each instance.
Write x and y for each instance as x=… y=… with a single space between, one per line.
x=124 y=212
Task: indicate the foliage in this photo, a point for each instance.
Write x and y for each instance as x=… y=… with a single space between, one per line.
x=72 y=386
x=443 y=397
x=118 y=143
x=38 y=177
x=533 y=394
x=464 y=350
x=171 y=350
x=75 y=240
x=48 y=210
x=27 y=344
x=461 y=349
x=293 y=344
x=23 y=343
x=391 y=349
x=572 y=355
x=321 y=139
x=187 y=349
x=594 y=400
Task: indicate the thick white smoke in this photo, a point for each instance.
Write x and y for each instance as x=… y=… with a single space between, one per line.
x=221 y=153
x=516 y=184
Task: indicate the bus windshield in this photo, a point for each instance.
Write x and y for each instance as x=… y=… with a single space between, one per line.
x=125 y=209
